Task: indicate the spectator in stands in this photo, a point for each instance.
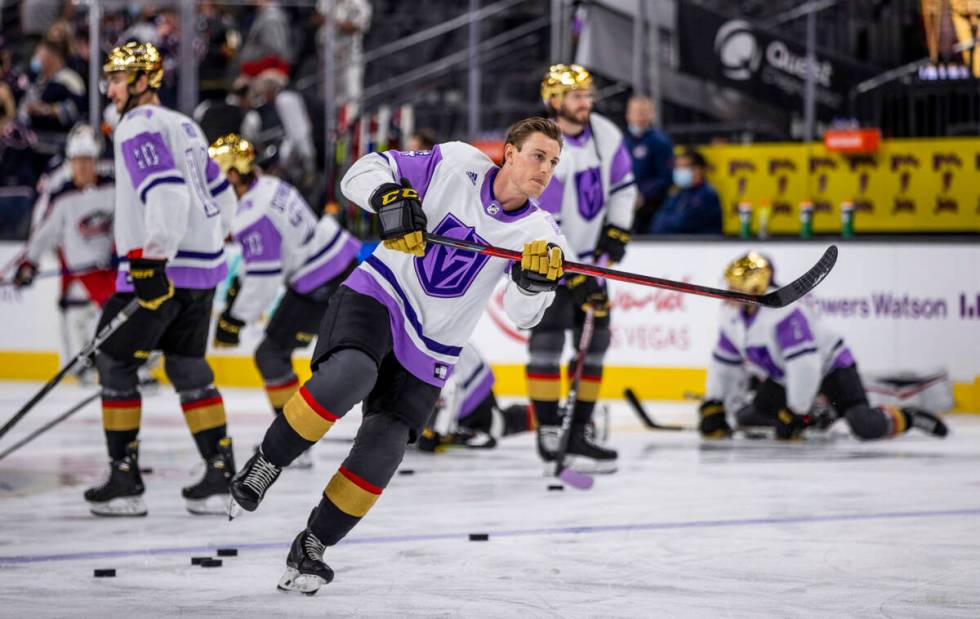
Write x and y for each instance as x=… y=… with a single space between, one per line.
x=352 y=18
x=56 y=100
x=423 y=139
x=653 y=159
x=12 y=84
x=220 y=117
x=267 y=44
x=695 y=207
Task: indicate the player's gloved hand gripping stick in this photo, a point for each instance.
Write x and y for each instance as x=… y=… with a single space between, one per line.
x=776 y=298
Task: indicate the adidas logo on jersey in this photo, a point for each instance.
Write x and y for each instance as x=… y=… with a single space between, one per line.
x=472 y=176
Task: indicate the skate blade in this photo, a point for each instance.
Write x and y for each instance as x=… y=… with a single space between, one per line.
x=214 y=505
x=307 y=584
x=122 y=507
x=233 y=509
x=575 y=479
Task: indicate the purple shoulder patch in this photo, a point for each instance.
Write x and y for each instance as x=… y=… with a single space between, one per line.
x=793 y=330
x=145 y=154
x=621 y=164
x=417 y=166
x=212 y=171
x=261 y=242
x=550 y=199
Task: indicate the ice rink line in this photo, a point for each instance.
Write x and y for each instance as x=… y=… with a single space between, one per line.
x=574 y=530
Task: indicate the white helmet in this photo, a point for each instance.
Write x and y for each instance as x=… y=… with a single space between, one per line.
x=82 y=142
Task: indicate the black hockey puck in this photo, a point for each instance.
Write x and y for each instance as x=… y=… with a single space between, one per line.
x=479 y=537
x=406 y=472
x=146 y=470
x=557 y=487
x=199 y=560
x=209 y=562
x=108 y=573
x=227 y=552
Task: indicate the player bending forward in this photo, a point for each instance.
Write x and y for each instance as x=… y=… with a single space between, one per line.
x=592 y=196
x=795 y=358
x=169 y=229
x=394 y=330
x=282 y=242
x=467 y=413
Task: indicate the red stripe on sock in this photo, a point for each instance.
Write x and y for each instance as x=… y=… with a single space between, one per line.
x=189 y=406
x=316 y=406
x=121 y=403
x=359 y=481
x=544 y=376
x=592 y=379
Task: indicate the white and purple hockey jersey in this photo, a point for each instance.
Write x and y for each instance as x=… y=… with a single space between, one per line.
x=435 y=301
x=593 y=185
x=78 y=222
x=789 y=345
x=172 y=201
x=282 y=240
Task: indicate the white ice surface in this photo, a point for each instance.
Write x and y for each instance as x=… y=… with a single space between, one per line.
x=735 y=529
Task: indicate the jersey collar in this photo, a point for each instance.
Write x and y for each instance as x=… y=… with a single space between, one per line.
x=492 y=208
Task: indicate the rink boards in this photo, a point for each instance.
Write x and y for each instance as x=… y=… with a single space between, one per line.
x=901 y=306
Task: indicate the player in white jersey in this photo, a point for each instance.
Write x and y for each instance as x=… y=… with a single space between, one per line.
x=467 y=413
x=394 y=330
x=169 y=231
x=794 y=358
x=282 y=243
x=592 y=196
x=76 y=221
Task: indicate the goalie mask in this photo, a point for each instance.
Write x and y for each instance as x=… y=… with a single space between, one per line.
x=751 y=273
x=562 y=78
x=233 y=152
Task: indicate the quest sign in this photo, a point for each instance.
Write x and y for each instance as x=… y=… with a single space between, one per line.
x=734 y=52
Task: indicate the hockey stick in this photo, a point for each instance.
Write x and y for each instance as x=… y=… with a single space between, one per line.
x=777 y=298
x=569 y=476
x=83 y=356
x=641 y=412
x=36 y=433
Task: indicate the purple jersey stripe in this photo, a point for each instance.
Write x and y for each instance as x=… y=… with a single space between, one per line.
x=328 y=270
x=420 y=364
x=551 y=197
x=417 y=166
x=621 y=164
x=725 y=345
x=793 y=330
x=479 y=393
x=163 y=180
x=197 y=278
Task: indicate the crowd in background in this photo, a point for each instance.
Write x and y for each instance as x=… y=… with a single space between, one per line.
x=259 y=64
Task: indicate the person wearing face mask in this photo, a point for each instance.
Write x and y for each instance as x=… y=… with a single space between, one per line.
x=694 y=208
x=652 y=153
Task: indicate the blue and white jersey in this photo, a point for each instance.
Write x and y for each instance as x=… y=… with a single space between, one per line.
x=435 y=301
x=282 y=241
x=593 y=185
x=172 y=201
x=789 y=345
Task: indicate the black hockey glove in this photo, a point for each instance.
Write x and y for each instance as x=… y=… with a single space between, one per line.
x=25 y=274
x=402 y=219
x=540 y=267
x=789 y=426
x=228 y=332
x=612 y=243
x=150 y=280
x=587 y=293
x=232 y=293
x=713 y=423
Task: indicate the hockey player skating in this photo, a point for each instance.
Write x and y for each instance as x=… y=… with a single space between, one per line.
x=394 y=330
x=77 y=223
x=467 y=413
x=592 y=195
x=282 y=243
x=795 y=358
x=169 y=232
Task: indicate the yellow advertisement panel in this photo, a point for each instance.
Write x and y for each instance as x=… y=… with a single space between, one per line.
x=908 y=185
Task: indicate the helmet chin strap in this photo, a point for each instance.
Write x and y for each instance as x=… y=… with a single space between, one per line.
x=133 y=97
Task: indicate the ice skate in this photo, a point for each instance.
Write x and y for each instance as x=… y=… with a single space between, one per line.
x=249 y=486
x=926 y=421
x=305 y=570
x=122 y=493
x=210 y=495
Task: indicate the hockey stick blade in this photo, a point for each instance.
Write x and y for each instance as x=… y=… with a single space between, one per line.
x=777 y=298
x=575 y=479
x=641 y=412
x=33 y=435
x=804 y=283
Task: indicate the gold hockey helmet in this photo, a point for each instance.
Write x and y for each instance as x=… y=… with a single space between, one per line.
x=232 y=152
x=134 y=58
x=751 y=273
x=562 y=78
